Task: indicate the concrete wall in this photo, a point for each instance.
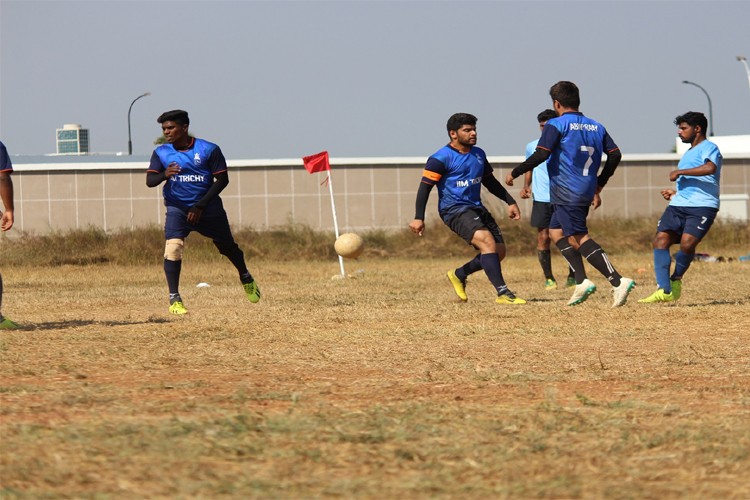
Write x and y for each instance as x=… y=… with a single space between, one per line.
x=369 y=192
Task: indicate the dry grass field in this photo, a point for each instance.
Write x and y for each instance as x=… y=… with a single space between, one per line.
x=378 y=386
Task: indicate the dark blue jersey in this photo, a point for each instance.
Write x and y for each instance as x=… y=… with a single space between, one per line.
x=577 y=144
x=458 y=177
x=198 y=165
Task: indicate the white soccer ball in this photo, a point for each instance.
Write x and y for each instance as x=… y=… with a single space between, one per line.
x=349 y=245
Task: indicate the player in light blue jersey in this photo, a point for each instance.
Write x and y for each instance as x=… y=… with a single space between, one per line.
x=692 y=206
x=536 y=185
x=6 y=217
x=195 y=172
x=459 y=170
x=573 y=145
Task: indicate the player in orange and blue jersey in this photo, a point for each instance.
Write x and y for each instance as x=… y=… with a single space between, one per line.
x=459 y=170
x=195 y=172
x=573 y=145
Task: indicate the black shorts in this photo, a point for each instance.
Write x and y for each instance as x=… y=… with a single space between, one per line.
x=468 y=222
x=541 y=213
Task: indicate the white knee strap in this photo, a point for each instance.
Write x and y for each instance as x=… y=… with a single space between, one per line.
x=173 y=249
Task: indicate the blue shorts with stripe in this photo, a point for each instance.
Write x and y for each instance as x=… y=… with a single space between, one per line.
x=212 y=224
x=570 y=218
x=695 y=221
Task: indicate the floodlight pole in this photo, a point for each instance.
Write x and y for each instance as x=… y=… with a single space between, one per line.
x=130 y=142
x=710 y=109
x=743 y=60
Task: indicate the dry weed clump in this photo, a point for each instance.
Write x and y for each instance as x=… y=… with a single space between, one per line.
x=376 y=386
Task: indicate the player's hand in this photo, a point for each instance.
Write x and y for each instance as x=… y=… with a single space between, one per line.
x=597 y=201
x=194 y=215
x=417 y=227
x=673 y=175
x=509 y=179
x=172 y=170
x=525 y=192
x=514 y=212
x=6 y=220
x=668 y=193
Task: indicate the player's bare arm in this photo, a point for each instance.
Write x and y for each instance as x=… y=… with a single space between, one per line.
x=707 y=168
x=417 y=227
x=668 y=193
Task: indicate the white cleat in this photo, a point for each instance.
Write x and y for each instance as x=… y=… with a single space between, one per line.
x=582 y=292
x=621 y=292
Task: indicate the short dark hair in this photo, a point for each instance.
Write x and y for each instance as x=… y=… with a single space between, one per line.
x=178 y=116
x=458 y=120
x=693 y=118
x=566 y=93
x=546 y=115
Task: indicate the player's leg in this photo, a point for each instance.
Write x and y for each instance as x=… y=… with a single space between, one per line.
x=458 y=276
x=486 y=240
x=216 y=227
x=5 y=323
x=541 y=213
x=698 y=221
x=669 y=229
x=175 y=232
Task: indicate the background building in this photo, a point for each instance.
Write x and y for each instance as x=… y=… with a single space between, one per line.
x=72 y=140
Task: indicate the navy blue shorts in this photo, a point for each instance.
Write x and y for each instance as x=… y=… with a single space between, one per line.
x=468 y=222
x=695 y=221
x=541 y=214
x=571 y=219
x=212 y=224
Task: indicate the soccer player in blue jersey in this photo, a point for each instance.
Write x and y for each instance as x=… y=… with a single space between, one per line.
x=459 y=170
x=536 y=186
x=195 y=172
x=692 y=206
x=573 y=144
x=6 y=218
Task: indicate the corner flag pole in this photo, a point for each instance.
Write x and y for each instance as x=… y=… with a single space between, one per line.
x=335 y=222
x=318 y=163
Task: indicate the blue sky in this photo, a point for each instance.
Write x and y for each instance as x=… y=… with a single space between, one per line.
x=283 y=79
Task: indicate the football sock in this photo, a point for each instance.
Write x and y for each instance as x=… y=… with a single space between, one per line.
x=597 y=257
x=232 y=252
x=470 y=267
x=172 y=270
x=491 y=265
x=662 y=262
x=681 y=263
x=573 y=256
x=545 y=261
x=246 y=278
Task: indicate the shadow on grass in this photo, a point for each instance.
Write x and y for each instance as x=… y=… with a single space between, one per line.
x=73 y=323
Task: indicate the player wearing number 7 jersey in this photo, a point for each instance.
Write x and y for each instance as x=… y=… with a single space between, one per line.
x=692 y=206
x=572 y=145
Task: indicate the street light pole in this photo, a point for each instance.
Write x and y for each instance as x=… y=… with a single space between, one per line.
x=710 y=109
x=130 y=142
x=743 y=60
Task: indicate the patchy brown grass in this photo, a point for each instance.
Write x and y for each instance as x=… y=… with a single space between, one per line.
x=376 y=387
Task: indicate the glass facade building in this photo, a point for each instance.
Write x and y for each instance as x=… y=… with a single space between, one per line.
x=72 y=140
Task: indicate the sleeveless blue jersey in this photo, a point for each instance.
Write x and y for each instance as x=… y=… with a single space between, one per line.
x=539 y=176
x=577 y=144
x=458 y=177
x=703 y=190
x=198 y=166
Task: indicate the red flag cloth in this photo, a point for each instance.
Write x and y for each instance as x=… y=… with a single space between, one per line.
x=317 y=162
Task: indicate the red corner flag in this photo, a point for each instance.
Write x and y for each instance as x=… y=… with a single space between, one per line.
x=317 y=162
